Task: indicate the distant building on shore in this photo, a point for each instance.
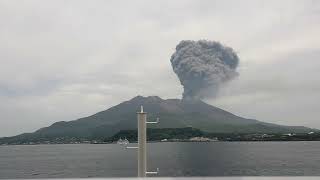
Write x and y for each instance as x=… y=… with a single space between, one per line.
x=202 y=139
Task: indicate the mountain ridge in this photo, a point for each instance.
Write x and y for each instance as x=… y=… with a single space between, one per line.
x=173 y=113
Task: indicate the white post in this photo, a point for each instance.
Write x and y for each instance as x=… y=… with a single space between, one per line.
x=142 y=141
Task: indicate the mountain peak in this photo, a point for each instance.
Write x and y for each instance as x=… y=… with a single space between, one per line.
x=157 y=99
x=147 y=99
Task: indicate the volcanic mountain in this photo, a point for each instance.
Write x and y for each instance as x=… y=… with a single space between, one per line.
x=173 y=113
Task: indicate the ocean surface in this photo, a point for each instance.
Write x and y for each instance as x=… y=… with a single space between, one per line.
x=173 y=159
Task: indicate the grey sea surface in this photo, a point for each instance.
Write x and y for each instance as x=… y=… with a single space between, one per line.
x=173 y=159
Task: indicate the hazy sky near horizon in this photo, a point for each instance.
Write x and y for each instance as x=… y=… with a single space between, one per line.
x=62 y=60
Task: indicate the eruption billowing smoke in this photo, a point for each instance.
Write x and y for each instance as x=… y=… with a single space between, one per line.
x=202 y=66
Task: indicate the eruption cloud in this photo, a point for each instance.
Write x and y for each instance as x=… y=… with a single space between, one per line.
x=202 y=66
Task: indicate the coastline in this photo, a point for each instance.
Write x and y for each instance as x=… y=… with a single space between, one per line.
x=178 y=141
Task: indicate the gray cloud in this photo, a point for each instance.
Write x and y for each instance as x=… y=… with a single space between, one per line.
x=202 y=66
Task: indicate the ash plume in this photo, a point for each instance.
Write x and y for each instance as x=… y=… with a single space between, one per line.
x=202 y=66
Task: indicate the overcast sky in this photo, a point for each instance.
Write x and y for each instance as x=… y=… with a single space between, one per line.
x=62 y=60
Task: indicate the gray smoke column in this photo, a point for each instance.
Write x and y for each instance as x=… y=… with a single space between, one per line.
x=202 y=66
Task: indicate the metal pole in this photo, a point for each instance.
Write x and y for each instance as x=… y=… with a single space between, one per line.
x=142 y=141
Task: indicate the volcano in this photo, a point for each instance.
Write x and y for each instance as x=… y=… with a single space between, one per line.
x=173 y=113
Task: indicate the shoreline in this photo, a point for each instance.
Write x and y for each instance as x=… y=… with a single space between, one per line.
x=156 y=142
